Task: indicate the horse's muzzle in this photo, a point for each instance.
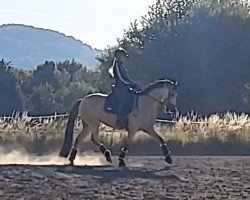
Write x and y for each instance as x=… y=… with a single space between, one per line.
x=173 y=112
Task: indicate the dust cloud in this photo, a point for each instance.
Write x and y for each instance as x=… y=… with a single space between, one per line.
x=20 y=156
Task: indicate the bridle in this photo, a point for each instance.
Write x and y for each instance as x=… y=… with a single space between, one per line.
x=161 y=101
x=164 y=103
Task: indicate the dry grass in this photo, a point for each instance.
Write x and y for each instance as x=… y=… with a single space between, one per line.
x=191 y=129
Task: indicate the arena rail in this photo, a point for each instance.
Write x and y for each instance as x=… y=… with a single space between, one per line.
x=56 y=116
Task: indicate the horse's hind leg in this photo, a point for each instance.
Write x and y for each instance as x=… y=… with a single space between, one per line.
x=166 y=152
x=95 y=139
x=84 y=133
x=124 y=148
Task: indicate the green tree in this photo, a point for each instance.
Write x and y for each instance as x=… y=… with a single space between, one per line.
x=55 y=87
x=9 y=94
x=201 y=44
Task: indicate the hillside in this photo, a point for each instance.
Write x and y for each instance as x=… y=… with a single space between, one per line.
x=27 y=47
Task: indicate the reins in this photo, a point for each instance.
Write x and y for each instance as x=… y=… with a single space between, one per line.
x=161 y=102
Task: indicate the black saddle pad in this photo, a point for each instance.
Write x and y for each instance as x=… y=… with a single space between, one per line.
x=112 y=103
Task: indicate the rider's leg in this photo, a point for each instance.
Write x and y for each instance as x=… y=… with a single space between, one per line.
x=122 y=120
x=122 y=96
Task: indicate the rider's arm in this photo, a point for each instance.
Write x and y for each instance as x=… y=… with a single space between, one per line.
x=131 y=82
x=122 y=74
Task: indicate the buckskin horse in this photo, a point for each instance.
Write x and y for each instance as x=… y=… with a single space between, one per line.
x=92 y=113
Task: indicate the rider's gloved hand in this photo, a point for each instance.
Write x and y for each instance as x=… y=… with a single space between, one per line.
x=134 y=87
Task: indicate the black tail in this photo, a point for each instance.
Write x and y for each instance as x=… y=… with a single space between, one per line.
x=67 y=144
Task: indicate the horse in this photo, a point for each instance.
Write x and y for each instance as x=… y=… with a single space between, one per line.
x=92 y=113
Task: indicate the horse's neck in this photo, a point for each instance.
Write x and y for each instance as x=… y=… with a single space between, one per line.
x=151 y=99
x=148 y=105
x=155 y=94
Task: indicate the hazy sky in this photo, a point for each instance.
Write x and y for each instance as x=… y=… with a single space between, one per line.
x=95 y=22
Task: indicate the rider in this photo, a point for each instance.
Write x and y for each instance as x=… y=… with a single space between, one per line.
x=123 y=85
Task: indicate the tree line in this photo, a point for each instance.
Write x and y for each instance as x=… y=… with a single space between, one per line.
x=51 y=87
x=204 y=45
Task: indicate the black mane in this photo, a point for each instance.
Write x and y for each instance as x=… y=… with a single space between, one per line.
x=157 y=84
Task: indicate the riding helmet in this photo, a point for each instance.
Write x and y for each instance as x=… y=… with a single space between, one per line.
x=120 y=51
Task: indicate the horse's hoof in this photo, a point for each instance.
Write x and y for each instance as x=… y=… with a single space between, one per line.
x=108 y=156
x=71 y=163
x=109 y=159
x=168 y=159
x=122 y=163
x=64 y=154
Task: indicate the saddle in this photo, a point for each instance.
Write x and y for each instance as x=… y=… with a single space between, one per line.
x=111 y=104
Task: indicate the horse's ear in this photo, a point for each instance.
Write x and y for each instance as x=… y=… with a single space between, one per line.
x=175 y=84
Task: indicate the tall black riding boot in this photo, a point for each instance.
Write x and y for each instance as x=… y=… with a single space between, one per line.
x=122 y=121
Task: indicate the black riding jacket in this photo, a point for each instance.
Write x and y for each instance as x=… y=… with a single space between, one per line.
x=121 y=75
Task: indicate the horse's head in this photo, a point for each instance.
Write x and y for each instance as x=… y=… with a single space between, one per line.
x=169 y=96
x=164 y=92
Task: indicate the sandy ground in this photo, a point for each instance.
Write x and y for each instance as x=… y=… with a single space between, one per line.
x=145 y=178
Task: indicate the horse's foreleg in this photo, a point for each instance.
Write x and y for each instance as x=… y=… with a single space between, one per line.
x=166 y=152
x=106 y=152
x=78 y=140
x=95 y=139
x=122 y=155
x=124 y=149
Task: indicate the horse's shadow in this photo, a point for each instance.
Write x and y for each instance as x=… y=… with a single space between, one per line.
x=109 y=174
